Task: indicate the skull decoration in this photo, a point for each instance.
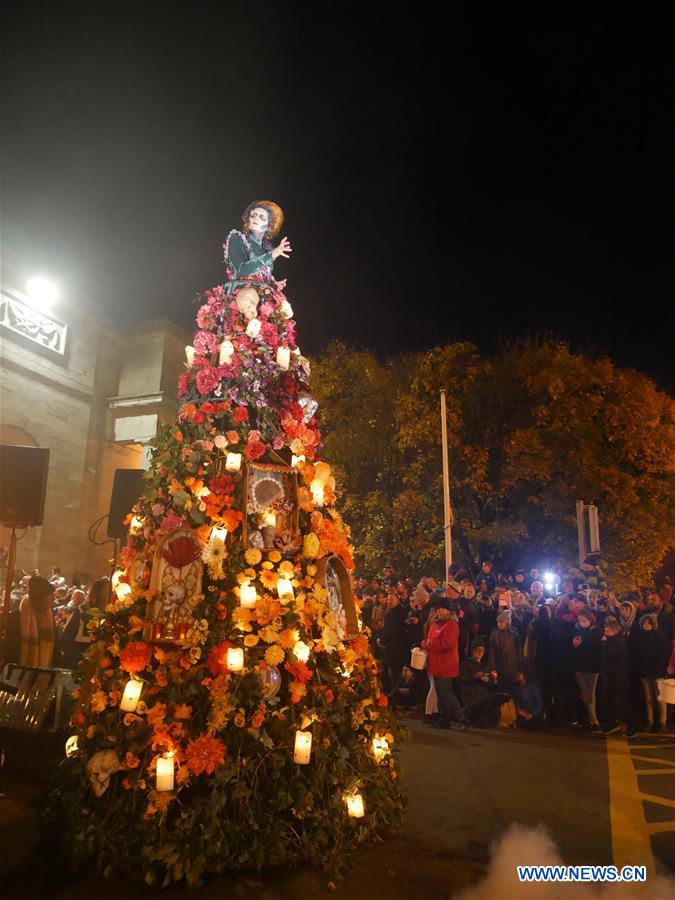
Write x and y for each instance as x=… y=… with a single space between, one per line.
x=174 y=596
x=247 y=301
x=99 y=769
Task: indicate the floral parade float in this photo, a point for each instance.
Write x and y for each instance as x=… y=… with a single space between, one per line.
x=234 y=717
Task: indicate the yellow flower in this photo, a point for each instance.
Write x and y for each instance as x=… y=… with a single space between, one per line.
x=240 y=719
x=274 y=556
x=269 y=634
x=253 y=556
x=251 y=640
x=242 y=618
x=274 y=655
x=289 y=638
x=99 y=701
x=267 y=565
x=286 y=568
x=311 y=570
x=269 y=579
x=310 y=546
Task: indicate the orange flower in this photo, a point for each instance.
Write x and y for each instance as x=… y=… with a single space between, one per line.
x=162 y=740
x=205 y=754
x=156 y=713
x=131 y=761
x=217 y=659
x=297 y=691
x=269 y=579
x=182 y=711
x=135 y=657
x=330 y=696
x=258 y=717
x=267 y=609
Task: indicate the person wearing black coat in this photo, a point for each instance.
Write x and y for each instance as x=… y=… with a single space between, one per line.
x=394 y=637
x=586 y=660
x=653 y=653
x=615 y=684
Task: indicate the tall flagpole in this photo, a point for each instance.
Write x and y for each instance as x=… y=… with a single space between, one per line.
x=447 y=509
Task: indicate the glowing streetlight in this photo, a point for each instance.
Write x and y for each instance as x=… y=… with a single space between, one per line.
x=41 y=292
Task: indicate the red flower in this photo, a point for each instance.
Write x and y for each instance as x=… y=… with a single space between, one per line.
x=240 y=415
x=217 y=659
x=208 y=408
x=135 y=657
x=204 y=755
x=255 y=450
x=300 y=671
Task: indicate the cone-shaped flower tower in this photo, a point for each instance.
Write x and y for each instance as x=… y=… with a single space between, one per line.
x=234 y=718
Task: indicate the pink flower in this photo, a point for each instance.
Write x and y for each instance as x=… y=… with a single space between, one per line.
x=207 y=380
x=278 y=442
x=220 y=441
x=157 y=509
x=266 y=310
x=205 y=318
x=205 y=343
x=253 y=436
x=170 y=522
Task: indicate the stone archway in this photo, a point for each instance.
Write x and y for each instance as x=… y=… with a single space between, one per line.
x=16 y=436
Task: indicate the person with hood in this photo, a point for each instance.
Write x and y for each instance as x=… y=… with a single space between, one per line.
x=653 y=651
x=442 y=644
x=586 y=659
x=627 y=614
x=504 y=655
x=394 y=637
x=615 y=685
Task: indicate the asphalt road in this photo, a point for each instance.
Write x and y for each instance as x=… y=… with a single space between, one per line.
x=600 y=800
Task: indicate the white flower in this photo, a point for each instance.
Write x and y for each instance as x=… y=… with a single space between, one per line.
x=286 y=309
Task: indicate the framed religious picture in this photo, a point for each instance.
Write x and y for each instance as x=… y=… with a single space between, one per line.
x=332 y=574
x=175 y=580
x=272 y=506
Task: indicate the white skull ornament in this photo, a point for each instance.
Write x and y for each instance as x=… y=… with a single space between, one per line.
x=174 y=596
x=99 y=769
x=247 y=301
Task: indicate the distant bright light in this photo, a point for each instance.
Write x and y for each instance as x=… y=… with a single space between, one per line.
x=41 y=292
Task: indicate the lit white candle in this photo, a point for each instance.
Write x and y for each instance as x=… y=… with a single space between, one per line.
x=190 y=355
x=233 y=462
x=296 y=460
x=247 y=595
x=225 y=354
x=235 y=659
x=71 y=746
x=316 y=487
x=165 y=767
x=355 y=807
x=285 y=590
x=253 y=328
x=117 y=574
x=131 y=695
x=269 y=518
x=380 y=747
x=303 y=747
x=301 y=651
x=136 y=524
x=123 y=590
x=219 y=533
x=283 y=357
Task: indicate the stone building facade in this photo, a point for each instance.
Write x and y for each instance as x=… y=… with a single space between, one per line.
x=93 y=395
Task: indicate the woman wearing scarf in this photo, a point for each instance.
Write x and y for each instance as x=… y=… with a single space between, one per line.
x=38 y=635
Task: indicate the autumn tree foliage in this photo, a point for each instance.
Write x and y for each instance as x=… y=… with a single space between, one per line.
x=531 y=430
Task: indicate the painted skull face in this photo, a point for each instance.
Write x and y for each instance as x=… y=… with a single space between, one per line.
x=247 y=301
x=174 y=596
x=259 y=220
x=100 y=768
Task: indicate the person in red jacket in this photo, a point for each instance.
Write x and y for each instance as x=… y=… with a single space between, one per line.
x=442 y=644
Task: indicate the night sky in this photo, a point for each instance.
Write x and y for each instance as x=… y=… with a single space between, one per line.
x=456 y=180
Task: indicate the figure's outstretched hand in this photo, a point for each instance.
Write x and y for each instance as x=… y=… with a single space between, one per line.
x=284 y=249
x=280 y=284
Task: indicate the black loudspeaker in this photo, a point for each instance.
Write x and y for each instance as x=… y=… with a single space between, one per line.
x=23 y=484
x=127 y=488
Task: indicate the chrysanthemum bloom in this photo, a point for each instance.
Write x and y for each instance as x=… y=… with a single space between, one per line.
x=205 y=754
x=135 y=657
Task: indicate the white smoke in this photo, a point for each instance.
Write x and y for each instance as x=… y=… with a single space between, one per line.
x=524 y=846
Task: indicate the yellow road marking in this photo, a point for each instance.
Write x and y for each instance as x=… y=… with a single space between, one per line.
x=670 y=771
x=665 y=762
x=656 y=827
x=630 y=837
x=662 y=801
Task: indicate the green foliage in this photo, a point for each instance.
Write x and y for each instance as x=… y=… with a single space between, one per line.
x=530 y=431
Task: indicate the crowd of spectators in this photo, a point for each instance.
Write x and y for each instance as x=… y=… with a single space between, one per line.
x=523 y=649
x=47 y=624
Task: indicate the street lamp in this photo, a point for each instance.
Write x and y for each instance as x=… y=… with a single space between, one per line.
x=41 y=292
